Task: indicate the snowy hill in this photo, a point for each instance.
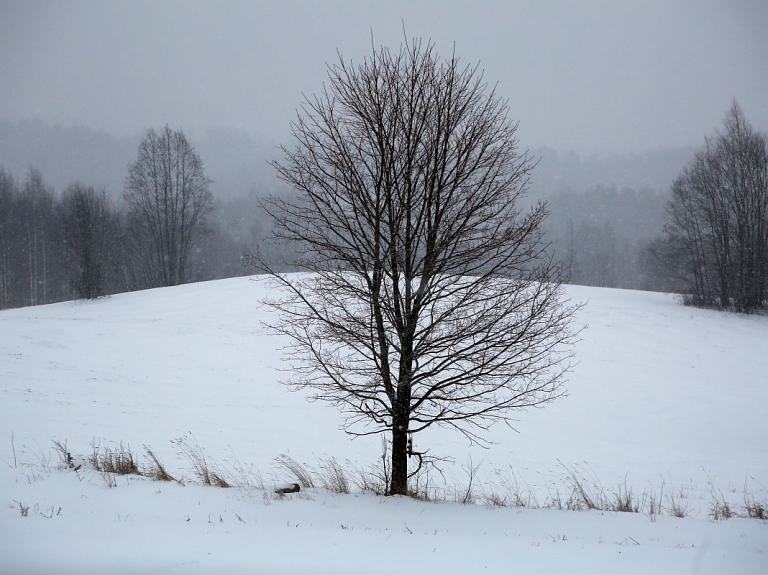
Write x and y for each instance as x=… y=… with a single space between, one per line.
x=666 y=400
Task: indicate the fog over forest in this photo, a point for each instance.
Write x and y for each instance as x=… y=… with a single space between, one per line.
x=603 y=210
x=612 y=102
x=238 y=162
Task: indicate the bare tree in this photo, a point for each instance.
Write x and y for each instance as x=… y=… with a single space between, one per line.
x=30 y=254
x=431 y=299
x=90 y=233
x=39 y=231
x=169 y=200
x=716 y=237
x=8 y=232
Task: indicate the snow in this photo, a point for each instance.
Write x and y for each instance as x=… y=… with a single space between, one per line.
x=666 y=399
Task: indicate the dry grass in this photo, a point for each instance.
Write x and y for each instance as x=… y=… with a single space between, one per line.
x=577 y=490
x=756 y=509
x=23 y=509
x=369 y=480
x=295 y=470
x=720 y=509
x=246 y=477
x=118 y=460
x=517 y=491
x=624 y=500
x=677 y=504
x=203 y=466
x=154 y=467
x=332 y=476
x=66 y=461
x=375 y=478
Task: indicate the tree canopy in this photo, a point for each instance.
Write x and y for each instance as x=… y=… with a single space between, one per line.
x=431 y=298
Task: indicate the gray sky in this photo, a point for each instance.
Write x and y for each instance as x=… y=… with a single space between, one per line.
x=591 y=76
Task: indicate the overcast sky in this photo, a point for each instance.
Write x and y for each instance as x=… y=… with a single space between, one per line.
x=591 y=76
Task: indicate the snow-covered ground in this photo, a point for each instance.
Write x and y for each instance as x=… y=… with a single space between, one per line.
x=666 y=400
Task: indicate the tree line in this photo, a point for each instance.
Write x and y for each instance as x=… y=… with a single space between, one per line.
x=704 y=237
x=55 y=247
x=81 y=244
x=715 y=241
x=601 y=235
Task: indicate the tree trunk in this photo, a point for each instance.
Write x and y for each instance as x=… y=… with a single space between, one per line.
x=401 y=421
x=399 y=483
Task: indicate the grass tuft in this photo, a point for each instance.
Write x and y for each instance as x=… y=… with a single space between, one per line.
x=677 y=506
x=756 y=509
x=296 y=470
x=66 y=461
x=119 y=460
x=370 y=480
x=720 y=509
x=623 y=500
x=203 y=466
x=154 y=467
x=332 y=476
x=23 y=509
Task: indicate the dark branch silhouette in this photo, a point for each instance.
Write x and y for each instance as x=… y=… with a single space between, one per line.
x=431 y=298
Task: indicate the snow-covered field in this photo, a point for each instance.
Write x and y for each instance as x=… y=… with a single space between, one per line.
x=667 y=400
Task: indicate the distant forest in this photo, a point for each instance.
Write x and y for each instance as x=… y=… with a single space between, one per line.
x=604 y=212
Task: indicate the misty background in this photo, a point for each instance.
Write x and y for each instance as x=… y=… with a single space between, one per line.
x=613 y=98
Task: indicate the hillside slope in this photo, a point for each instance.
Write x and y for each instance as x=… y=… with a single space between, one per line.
x=664 y=397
